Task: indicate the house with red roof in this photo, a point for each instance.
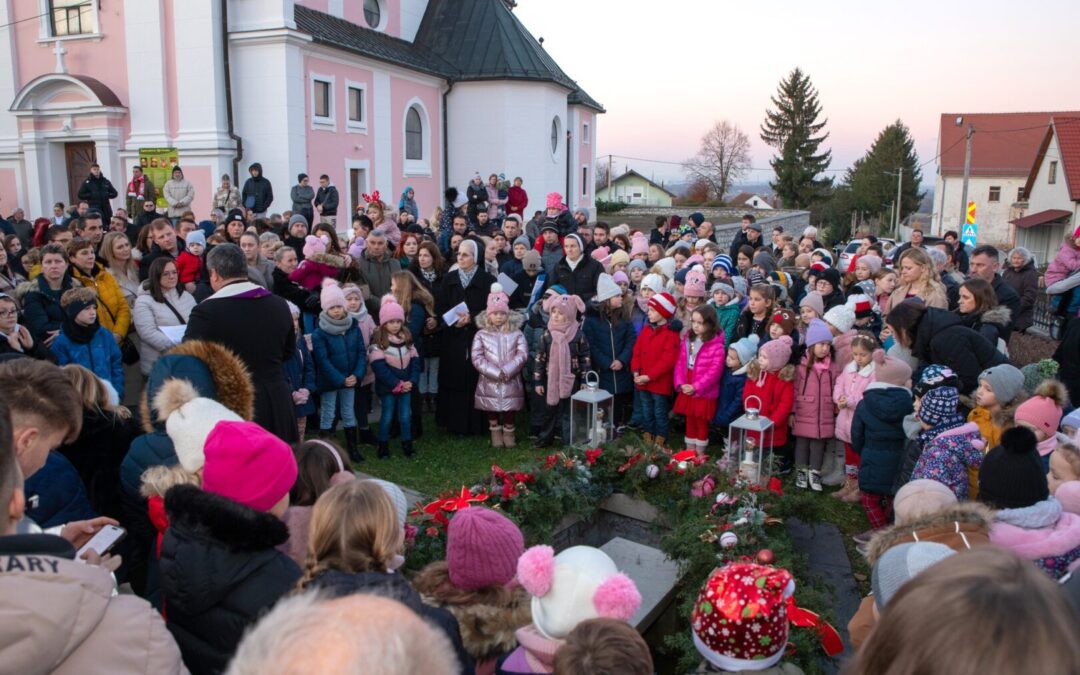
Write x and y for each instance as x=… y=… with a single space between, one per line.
x=1003 y=150
x=1053 y=189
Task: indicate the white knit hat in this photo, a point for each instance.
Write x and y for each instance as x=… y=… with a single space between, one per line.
x=606 y=288
x=189 y=419
x=401 y=505
x=842 y=317
x=654 y=282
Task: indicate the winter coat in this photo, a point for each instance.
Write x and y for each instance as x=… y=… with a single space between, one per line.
x=300 y=374
x=776 y=391
x=101 y=356
x=338 y=584
x=993 y=324
x=477 y=196
x=499 y=357
x=306 y=300
x=103 y=441
x=220 y=571
x=64 y=617
x=302 y=197
x=1064 y=263
x=337 y=357
x=708 y=367
x=394 y=365
x=580 y=281
x=327 y=197
x=56 y=495
x=178 y=194
x=151 y=315
x=226 y=199
x=311 y=272
x=1006 y=296
x=550 y=255
x=261 y=272
x=1043 y=533
x=729 y=406
x=851 y=383
x=258 y=193
x=877 y=435
x=487 y=617
x=376 y=275
x=41 y=307
x=949 y=458
x=655 y=352
x=815 y=414
x=940 y=338
x=97 y=193
x=1067 y=355
x=517 y=200
x=495 y=204
x=745 y=327
x=993 y=424
x=580 y=359
x=189 y=267
x=113 y=310
x=1025 y=282
x=611 y=340
x=728 y=318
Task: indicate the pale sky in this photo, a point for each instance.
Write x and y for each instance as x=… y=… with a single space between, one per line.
x=665 y=71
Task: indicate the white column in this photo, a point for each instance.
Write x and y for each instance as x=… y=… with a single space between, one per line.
x=200 y=81
x=147 y=93
x=383 y=121
x=9 y=125
x=107 y=146
x=38 y=188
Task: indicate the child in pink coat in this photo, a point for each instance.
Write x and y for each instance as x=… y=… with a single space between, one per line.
x=815 y=416
x=317 y=264
x=1066 y=261
x=698 y=371
x=857 y=375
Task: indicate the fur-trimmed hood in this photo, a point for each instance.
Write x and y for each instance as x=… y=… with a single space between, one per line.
x=1000 y=315
x=487 y=617
x=515 y=320
x=232 y=381
x=962 y=525
x=157 y=480
x=219 y=521
x=337 y=260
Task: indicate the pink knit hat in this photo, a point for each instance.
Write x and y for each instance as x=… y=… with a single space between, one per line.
x=1042 y=413
x=331 y=295
x=313 y=245
x=695 y=284
x=602 y=256
x=390 y=310
x=498 y=300
x=891 y=370
x=248 y=465
x=554 y=201
x=482 y=548
x=639 y=245
x=778 y=351
x=570 y=305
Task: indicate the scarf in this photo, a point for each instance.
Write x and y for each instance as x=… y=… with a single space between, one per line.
x=560 y=379
x=539 y=650
x=78 y=333
x=1035 y=517
x=137 y=188
x=334 y=326
x=949 y=424
x=467 y=277
x=429 y=275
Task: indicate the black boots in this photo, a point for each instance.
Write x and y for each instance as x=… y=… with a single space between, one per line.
x=351 y=445
x=407 y=447
x=367 y=437
x=384 y=450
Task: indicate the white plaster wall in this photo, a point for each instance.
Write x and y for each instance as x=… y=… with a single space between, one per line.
x=992 y=217
x=412 y=13
x=505 y=127
x=1045 y=195
x=245 y=15
x=200 y=79
x=9 y=126
x=146 y=73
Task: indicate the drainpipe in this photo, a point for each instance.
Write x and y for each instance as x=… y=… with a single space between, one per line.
x=445 y=144
x=239 y=154
x=569 y=136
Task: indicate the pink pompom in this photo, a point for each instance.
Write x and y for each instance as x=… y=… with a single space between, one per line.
x=878 y=356
x=536 y=570
x=387 y=299
x=327 y=282
x=617 y=598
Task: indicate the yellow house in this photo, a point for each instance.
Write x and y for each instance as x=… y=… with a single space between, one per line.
x=633 y=188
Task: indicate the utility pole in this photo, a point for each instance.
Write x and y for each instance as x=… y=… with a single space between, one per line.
x=967 y=174
x=610 y=198
x=899 y=185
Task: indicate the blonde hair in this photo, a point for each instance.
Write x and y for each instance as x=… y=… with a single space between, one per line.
x=980 y=612
x=354 y=528
x=92 y=391
x=929 y=279
x=130 y=267
x=409 y=289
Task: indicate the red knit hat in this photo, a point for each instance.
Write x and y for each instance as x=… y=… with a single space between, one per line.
x=482 y=548
x=863 y=306
x=740 y=619
x=664 y=305
x=248 y=465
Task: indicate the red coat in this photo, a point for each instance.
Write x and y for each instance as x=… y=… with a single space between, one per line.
x=188 y=267
x=777 y=398
x=655 y=352
x=517 y=200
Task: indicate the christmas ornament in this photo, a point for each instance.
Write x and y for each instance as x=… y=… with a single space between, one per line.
x=765 y=557
x=729 y=539
x=652 y=471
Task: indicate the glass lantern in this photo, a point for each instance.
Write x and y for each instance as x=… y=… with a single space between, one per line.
x=591 y=411
x=750 y=438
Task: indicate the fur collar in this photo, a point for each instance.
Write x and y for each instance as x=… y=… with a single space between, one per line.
x=514 y=321
x=332 y=259
x=209 y=516
x=865 y=371
x=964 y=517
x=1000 y=315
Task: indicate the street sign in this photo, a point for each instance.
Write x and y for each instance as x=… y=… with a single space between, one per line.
x=971 y=229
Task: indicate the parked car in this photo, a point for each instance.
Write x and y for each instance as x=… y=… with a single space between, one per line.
x=848 y=252
x=927 y=242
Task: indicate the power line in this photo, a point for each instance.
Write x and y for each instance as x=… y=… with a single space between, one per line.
x=667 y=161
x=47 y=13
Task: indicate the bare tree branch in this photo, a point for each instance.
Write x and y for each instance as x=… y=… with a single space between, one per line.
x=723 y=159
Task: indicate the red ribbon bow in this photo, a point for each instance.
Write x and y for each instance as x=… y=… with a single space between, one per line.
x=592 y=455
x=804 y=618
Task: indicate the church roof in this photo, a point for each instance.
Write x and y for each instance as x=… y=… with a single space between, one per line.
x=458 y=40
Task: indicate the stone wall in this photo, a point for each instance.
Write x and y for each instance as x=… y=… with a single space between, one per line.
x=725 y=220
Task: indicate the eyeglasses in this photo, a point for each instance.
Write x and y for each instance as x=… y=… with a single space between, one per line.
x=8 y=312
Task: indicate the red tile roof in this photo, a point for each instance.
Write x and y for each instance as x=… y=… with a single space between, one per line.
x=1005 y=144
x=1068 y=138
x=1040 y=218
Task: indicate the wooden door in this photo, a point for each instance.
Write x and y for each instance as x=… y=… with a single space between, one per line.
x=79 y=157
x=357 y=186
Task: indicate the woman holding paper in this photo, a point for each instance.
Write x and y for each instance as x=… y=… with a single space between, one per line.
x=161 y=310
x=461 y=296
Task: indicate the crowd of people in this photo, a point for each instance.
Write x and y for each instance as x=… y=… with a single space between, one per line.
x=192 y=378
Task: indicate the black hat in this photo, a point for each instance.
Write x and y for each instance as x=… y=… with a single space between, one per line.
x=234 y=214
x=1012 y=475
x=549 y=225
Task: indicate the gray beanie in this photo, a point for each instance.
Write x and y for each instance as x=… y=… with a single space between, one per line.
x=902 y=563
x=764 y=260
x=638 y=264
x=1007 y=382
x=740 y=286
x=746 y=348
x=723 y=288
x=523 y=240
x=397 y=496
x=297 y=218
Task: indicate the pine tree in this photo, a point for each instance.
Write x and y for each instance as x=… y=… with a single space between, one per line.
x=872 y=178
x=793 y=129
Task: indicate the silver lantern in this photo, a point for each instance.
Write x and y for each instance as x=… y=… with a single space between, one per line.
x=591 y=410
x=749 y=452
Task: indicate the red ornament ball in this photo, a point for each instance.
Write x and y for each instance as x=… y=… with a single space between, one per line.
x=765 y=557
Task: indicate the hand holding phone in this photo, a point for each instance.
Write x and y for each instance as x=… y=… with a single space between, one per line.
x=102 y=542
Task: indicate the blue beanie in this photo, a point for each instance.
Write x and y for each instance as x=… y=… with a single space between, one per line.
x=196 y=237
x=723 y=261
x=746 y=348
x=938 y=406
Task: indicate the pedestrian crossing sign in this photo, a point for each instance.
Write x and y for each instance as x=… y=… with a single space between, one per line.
x=970 y=233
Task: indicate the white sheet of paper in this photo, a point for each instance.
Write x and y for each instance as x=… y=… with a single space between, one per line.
x=508 y=284
x=454 y=313
x=174 y=333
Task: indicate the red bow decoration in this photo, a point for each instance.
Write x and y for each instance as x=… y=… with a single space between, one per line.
x=434 y=510
x=369 y=198
x=776 y=487
x=631 y=462
x=703 y=487
x=592 y=455
x=551 y=461
x=463 y=500
x=686 y=456
x=804 y=618
x=511 y=481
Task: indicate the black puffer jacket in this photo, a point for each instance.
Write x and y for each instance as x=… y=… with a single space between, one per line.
x=941 y=338
x=580 y=281
x=993 y=324
x=340 y=584
x=220 y=571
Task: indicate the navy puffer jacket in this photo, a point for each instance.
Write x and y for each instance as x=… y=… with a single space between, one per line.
x=338 y=356
x=877 y=434
x=611 y=340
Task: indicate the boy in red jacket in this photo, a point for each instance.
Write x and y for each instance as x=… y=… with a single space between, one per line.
x=653 y=365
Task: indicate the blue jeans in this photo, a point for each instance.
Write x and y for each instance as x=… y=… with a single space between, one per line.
x=654 y=412
x=330 y=399
x=403 y=404
x=429 y=376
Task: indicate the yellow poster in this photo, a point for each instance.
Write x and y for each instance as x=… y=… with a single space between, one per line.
x=157 y=164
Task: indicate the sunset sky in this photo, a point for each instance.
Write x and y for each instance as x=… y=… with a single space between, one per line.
x=666 y=70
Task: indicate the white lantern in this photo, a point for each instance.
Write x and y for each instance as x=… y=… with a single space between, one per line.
x=749 y=438
x=591 y=411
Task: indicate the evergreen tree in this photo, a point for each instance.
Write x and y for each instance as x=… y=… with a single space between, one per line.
x=793 y=129
x=872 y=178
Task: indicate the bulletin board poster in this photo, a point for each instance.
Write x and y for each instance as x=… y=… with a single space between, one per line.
x=157 y=164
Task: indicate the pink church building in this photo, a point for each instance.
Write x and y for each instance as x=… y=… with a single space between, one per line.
x=377 y=94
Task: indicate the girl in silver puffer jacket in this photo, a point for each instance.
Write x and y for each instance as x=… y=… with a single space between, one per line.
x=499 y=353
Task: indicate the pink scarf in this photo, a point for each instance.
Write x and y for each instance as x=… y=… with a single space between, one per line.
x=539 y=650
x=560 y=379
